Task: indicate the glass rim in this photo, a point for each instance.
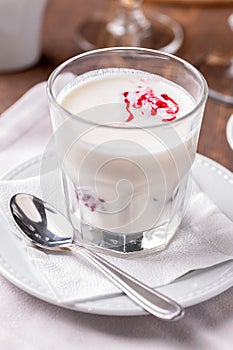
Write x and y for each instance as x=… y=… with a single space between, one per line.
x=54 y=74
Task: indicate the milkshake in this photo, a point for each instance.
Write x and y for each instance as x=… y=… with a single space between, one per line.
x=126 y=151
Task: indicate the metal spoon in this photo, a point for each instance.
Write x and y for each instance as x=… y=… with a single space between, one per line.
x=45 y=227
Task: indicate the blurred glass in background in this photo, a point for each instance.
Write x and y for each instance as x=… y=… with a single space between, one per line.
x=130 y=27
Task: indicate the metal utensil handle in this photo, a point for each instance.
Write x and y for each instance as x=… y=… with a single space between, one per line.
x=149 y=299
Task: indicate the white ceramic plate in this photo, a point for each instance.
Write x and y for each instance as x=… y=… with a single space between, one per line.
x=191 y=289
x=229 y=131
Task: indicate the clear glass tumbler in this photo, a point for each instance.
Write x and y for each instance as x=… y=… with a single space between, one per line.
x=126 y=125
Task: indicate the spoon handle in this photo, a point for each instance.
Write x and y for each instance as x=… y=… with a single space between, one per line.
x=149 y=299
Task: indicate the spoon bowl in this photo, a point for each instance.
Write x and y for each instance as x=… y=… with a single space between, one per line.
x=48 y=229
x=43 y=225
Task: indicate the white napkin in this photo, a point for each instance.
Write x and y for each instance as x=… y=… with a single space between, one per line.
x=24 y=128
x=204 y=238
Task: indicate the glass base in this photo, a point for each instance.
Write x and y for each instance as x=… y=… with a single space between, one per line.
x=218 y=71
x=155 y=239
x=129 y=242
x=164 y=34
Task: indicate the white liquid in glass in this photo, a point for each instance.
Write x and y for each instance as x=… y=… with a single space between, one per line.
x=127 y=170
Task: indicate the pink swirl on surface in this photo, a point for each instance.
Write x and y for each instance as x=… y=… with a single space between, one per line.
x=144 y=99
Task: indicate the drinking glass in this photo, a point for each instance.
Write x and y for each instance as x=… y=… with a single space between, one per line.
x=218 y=71
x=126 y=185
x=130 y=27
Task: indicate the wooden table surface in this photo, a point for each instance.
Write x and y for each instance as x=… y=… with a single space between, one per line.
x=205 y=29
